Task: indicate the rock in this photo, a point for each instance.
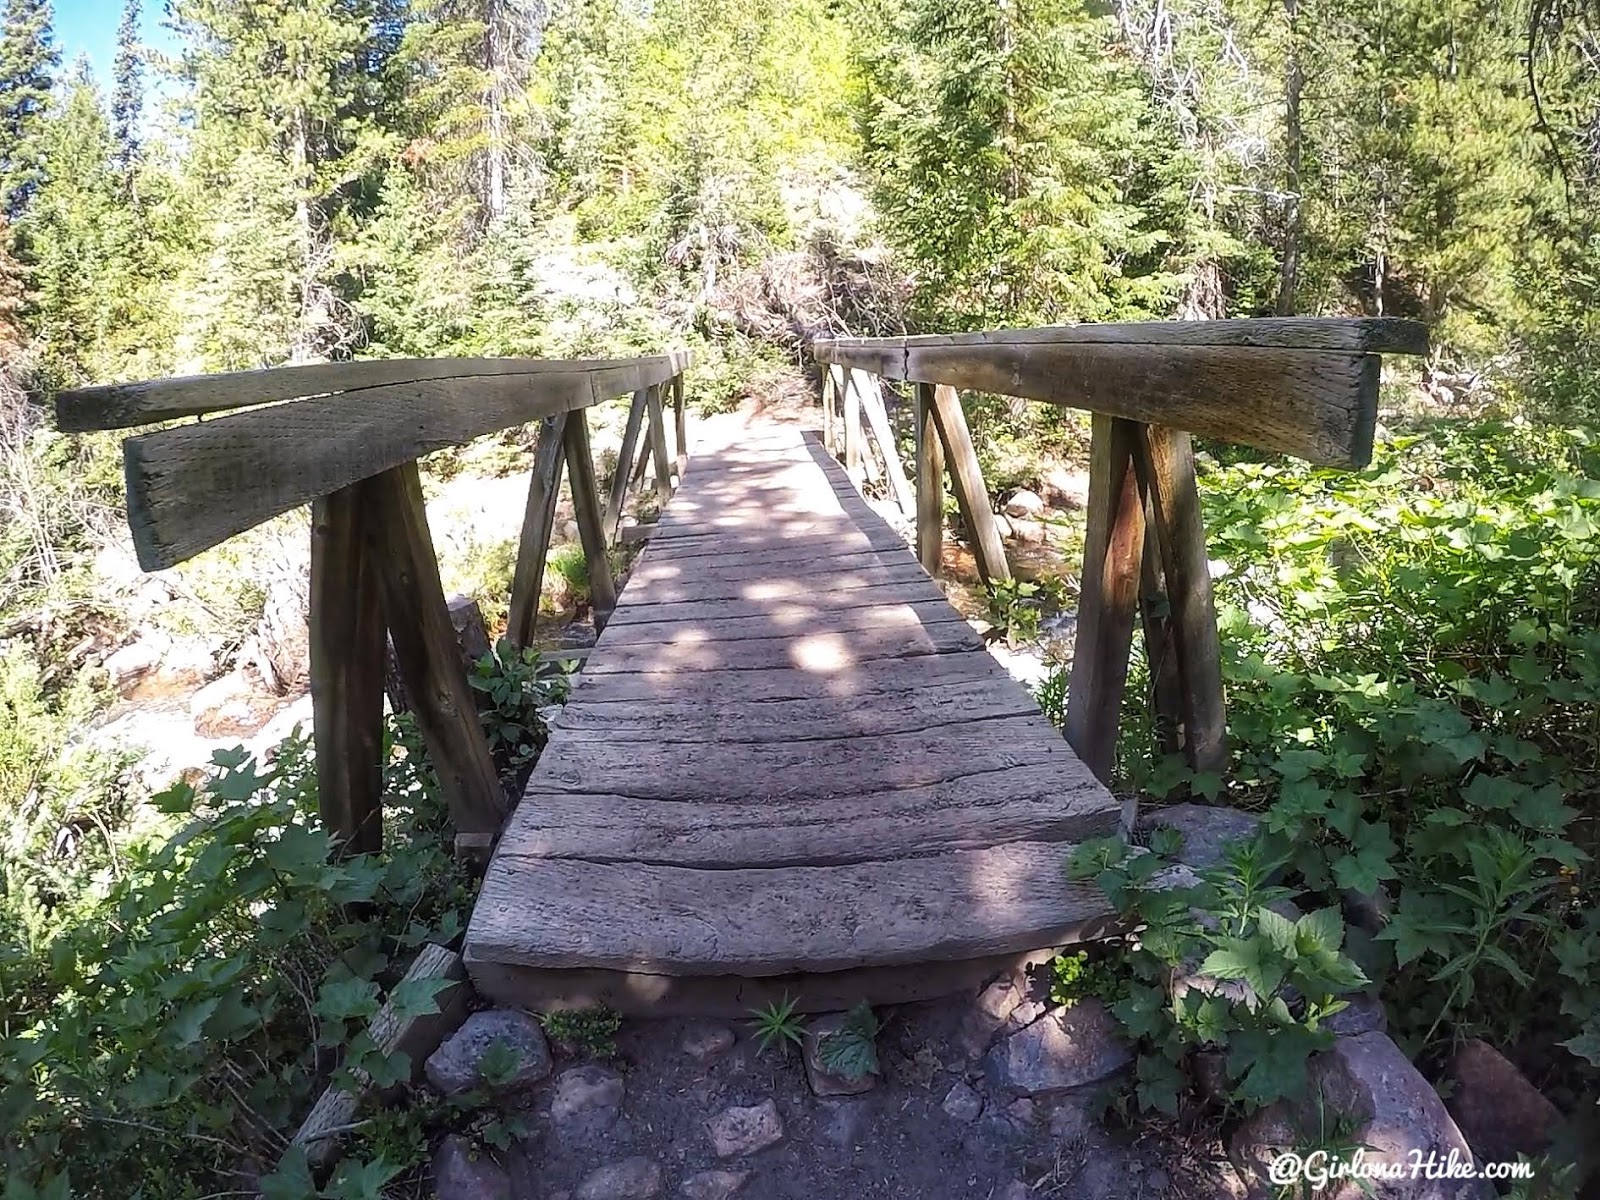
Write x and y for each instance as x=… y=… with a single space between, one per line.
x=713 y=1185
x=1015 y=1190
x=1032 y=532
x=188 y=663
x=1023 y=1015
x=230 y=707
x=128 y=664
x=706 y=1039
x=636 y=1178
x=1206 y=830
x=1066 y=489
x=588 y=1095
x=1364 y=1014
x=1367 y=911
x=739 y=1131
x=1402 y=1121
x=461 y=1173
x=984 y=1020
x=1501 y=1114
x=1209 y=1070
x=1024 y=503
x=1066 y=1048
x=1022 y=1112
x=962 y=1104
x=1002 y=526
x=453 y=1067
x=824 y=1082
x=1158 y=1181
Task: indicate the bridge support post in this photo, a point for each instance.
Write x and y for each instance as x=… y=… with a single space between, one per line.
x=930 y=485
x=538 y=521
x=658 y=444
x=586 y=508
x=967 y=476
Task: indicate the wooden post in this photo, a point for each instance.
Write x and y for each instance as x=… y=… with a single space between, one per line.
x=401 y=549
x=967 y=476
x=828 y=439
x=1113 y=553
x=586 y=508
x=619 y=477
x=347 y=660
x=680 y=422
x=878 y=421
x=852 y=427
x=1155 y=617
x=930 y=485
x=538 y=520
x=1164 y=462
x=658 y=445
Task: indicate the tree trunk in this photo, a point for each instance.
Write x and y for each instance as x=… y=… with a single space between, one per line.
x=496 y=61
x=1293 y=216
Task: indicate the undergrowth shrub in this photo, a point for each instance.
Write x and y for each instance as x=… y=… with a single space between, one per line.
x=1412 y=661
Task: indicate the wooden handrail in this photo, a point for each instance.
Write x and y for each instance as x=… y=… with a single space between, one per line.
x=1305 y=386
x=345 y=437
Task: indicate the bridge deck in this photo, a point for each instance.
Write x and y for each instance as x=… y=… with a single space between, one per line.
x=788 y=766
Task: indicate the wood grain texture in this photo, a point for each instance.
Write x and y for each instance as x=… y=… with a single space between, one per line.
x=541 y=912
x=658 y=444
x=829 y=437
x=347 y=674
x=1164 y=462
x=877 y=416
x=586 y=510
x=401 y=549
x=620 y=476
x=792 y=602
x=803 y=621
x=680 y=424
x=852 y=424
x=930 y=484
x=971 y=493
x=538 y=522
x=1366 y=335
x=122 y=405
x=1113 y=552
x=823 y=651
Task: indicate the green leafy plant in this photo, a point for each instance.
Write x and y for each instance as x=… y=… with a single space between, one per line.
x=513 y=690
x=590 y=1031
x=851 y=1051
x=1330 y=1142
x=777 y=1024
x=1014 y=611
x=1075 y=975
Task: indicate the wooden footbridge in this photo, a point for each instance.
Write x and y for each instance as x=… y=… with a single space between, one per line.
x=788 y=766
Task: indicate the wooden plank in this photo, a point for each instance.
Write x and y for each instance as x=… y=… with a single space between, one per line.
x=780 y=547
x=347 y=674
x=586 y=509
x=122 y=405
x=1108 y=594
x=967 y=476
x=804 y=603
x=761 y=584
x=400 y=547
x=416 y=1036
x=813 y=770
x=878 y=422
x=538 y=521
x=821 y=652
x=1164 y=461
x=625 y=456
x=1021 y=804
x=852 y=427
x=542 y=912
x=815 y=717
x=1367 y=335
x=930 y=484
x=680 y=423
x=792 y=622
x=1155 y=620
x=193 y=486
x=828 y=437
x=658 y=445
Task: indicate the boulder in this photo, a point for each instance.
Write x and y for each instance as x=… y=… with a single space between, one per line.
x=230 y=707
x=706 y=1040
x=824 y=1082
x=1066 y=489
x=460 y=1172
x=454 y=1067
x=713 y=1185
x=1363 y=1014
x=586 y=1097
x=1501 y=1114
x=1206 y=830
x=127 y=665
x=962 y=1103
x=738 y=1131
x=1024 y=503
x=1031 y=532
x=1066 y=1048
x=984 y=1020
x=636 y=1178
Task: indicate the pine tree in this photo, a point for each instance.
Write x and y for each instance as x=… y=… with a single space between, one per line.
x=28 y=58
x=127 y=97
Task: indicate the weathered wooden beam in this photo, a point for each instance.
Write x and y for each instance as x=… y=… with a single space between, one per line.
x=1113 y=551
x=852 y=427
x=347 y=665
x=1366 y=335
x=620 y=477
x=586 y=508
x=658 y=444
x=193 y=486
x=401 y=548
x=828 y=437
x=1164 y=463
x=680 y=421
x=930 y=484
x=878 y=422
x=1155 y=619
x=538 y=522
x=122 y=405
x=967 y=477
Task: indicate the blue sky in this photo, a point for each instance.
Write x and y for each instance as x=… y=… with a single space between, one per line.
x=90 y=27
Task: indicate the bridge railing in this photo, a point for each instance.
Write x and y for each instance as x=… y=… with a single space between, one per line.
x=1301 y=386
x=345 y=438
